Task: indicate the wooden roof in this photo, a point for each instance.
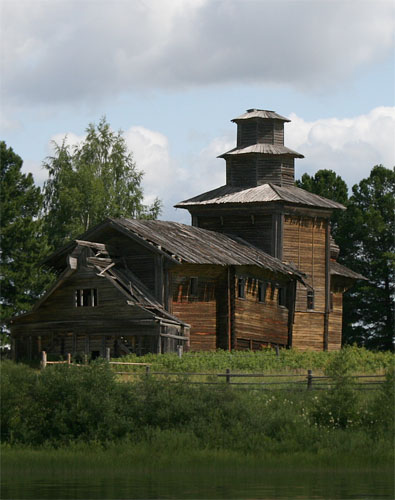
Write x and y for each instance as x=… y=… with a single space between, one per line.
x=265 y=193
x=260 y=113
x=337 y=269
x=263 y=148
x=195 y=245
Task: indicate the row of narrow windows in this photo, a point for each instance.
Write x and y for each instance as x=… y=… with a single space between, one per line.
x=87 y=297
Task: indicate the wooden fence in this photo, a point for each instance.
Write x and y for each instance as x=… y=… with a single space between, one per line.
x=262 y=381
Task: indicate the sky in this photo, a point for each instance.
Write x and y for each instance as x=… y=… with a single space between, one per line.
x=172 y=74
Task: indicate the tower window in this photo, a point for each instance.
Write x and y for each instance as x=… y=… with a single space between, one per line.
x=86 y=297
x=241 y=288
x=310 y=299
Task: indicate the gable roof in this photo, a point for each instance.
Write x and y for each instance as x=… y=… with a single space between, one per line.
x=195 y=245
x=264 y=193
x=185 y=244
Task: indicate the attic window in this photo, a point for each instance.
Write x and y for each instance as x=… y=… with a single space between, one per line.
x=310 y=300
x=86 y=297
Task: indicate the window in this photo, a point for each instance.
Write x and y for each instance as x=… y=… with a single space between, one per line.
x=86 y=297
x=193 y=286
x=282 y=296
x=262 y=291
x=310 y=299
x=241 y=282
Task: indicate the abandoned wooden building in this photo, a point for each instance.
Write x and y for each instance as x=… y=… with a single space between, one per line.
x=256 y=268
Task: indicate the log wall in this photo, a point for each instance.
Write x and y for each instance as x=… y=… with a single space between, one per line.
x=199 y=309
x=259 y=323
x=335 y=322
x=256 y=229
x=304 y=245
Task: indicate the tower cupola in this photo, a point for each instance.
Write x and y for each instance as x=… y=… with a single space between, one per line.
x=260 y=156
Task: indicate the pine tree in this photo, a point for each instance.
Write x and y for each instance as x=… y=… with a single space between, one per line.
x=23 y=245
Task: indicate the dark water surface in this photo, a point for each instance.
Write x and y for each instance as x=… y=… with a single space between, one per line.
x=200 y=483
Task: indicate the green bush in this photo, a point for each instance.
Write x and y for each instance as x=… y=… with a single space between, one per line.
x=64 y=404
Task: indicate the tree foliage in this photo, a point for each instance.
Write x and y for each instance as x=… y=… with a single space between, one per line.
x=91 y=181
x=328 y=184
x=367 y=239
x=23 y=244
x=365 y=234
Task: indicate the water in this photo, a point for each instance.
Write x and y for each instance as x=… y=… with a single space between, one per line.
x=200 y=482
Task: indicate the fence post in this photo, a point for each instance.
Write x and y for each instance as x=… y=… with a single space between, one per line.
x=69 y=358
x=228 y=376
x=147 y=371
x=309 y=379
x=179 y=351
x=108 y=350
x=85 y=359
x=277 y=350
x=43 y=359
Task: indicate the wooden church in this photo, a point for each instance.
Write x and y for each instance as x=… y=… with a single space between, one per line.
x=256 y=268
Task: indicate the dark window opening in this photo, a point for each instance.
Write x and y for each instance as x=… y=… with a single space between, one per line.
x=86 y=297
x=262 y=291
x=241 y=288
x=95 y=354
x=272 y=290
x=193 y=286
x=310 y=299
x=282 y=296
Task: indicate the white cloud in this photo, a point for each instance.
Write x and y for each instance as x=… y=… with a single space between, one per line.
x=350 y=146
x=167 y=179
x=70 y=51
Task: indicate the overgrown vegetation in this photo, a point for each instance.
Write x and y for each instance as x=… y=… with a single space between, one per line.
x=64 y=405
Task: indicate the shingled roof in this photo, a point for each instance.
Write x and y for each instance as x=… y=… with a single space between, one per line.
x=260 y=194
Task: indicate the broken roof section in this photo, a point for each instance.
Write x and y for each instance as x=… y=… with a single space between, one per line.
x=264 y=193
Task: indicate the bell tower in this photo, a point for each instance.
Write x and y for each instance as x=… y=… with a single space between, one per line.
x=260 y=156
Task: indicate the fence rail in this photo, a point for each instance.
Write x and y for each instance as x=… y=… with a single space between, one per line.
x=280 y=381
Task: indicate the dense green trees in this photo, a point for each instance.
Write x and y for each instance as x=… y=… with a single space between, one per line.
x=365 y=234
x=91 y=181
x=86 y=183
x=23 y=244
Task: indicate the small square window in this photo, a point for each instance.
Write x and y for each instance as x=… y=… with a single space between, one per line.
x=310 y=299
x=241 y=282
x=86 y=297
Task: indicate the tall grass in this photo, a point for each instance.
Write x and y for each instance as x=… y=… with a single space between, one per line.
x=355 y=359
